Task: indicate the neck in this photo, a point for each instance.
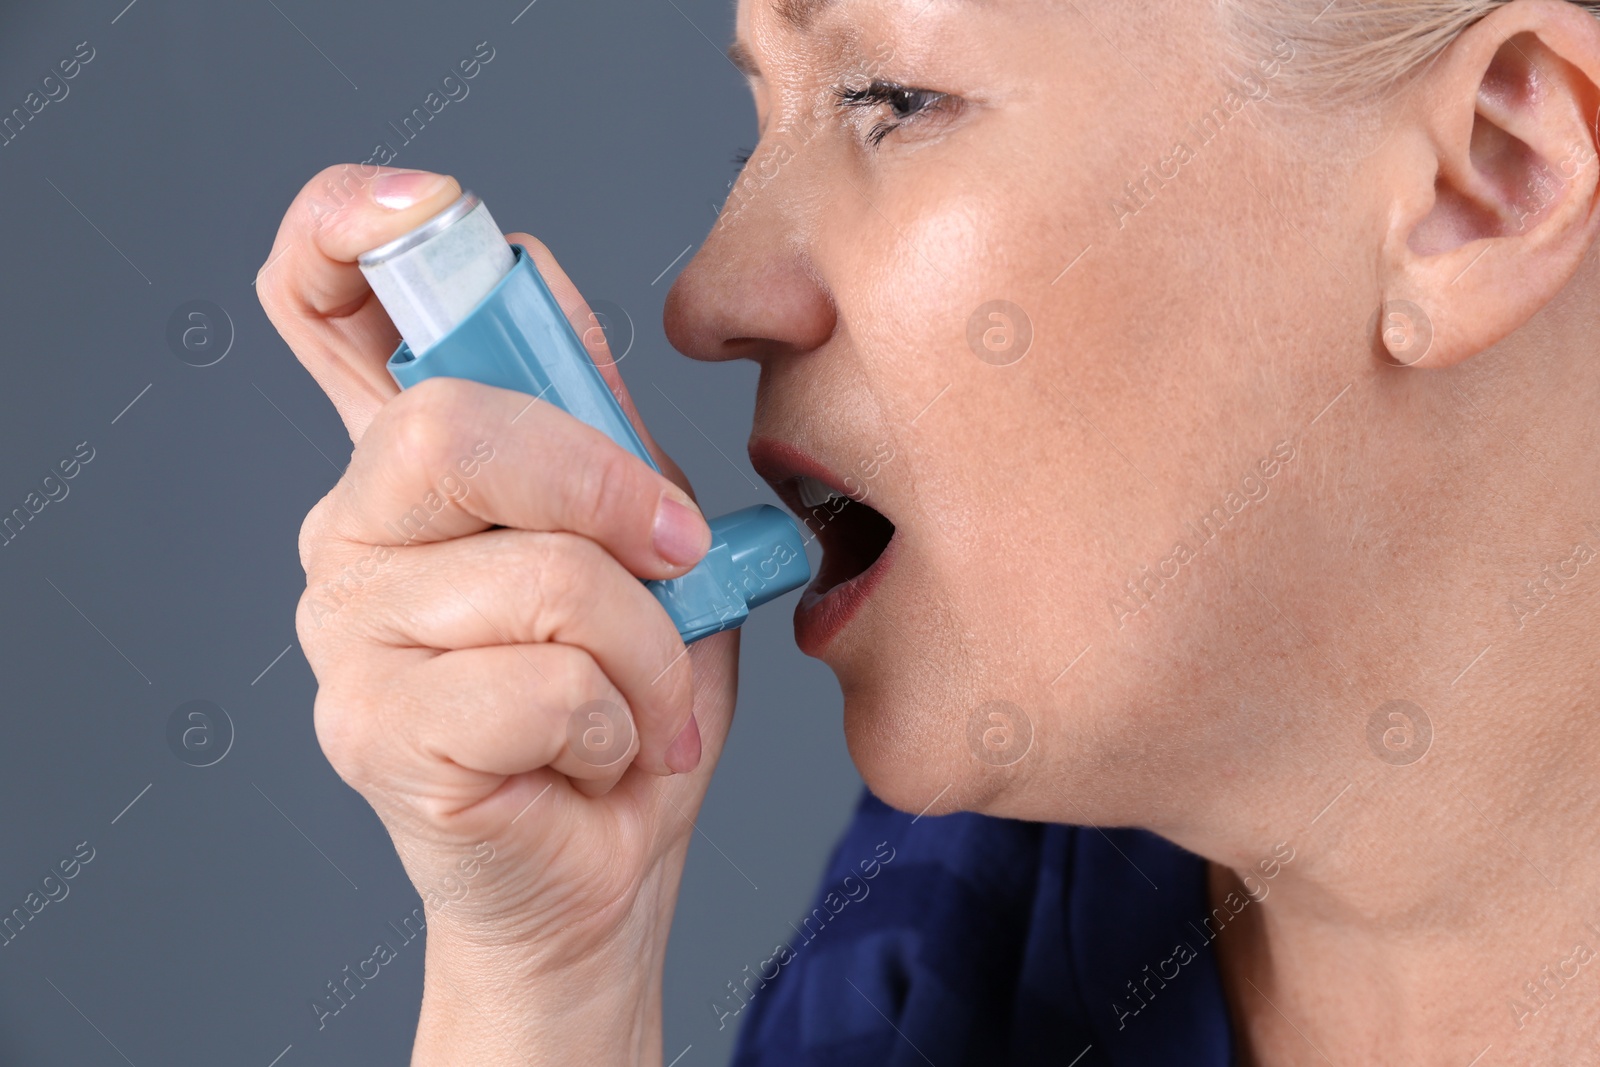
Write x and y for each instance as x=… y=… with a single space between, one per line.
x=1430 y=911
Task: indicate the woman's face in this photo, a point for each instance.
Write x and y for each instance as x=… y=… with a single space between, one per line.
x=1071 y=317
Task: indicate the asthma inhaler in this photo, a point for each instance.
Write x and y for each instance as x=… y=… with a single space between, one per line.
x=470 y=305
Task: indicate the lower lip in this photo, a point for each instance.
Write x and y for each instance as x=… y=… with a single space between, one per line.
x=818 y=619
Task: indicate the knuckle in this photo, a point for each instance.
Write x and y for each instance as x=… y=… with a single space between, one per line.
x=344 y=729
x=338 y=573
x=319 y=200
x=322 y=600
x=309 y=618
x=424 y=427
x=314 y=533
x=577 y=679
x=269 y=287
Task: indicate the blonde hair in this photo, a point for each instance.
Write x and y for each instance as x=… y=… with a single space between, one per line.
x=1348 y=51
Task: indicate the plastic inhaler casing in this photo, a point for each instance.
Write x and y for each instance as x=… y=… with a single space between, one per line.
x=517 y=337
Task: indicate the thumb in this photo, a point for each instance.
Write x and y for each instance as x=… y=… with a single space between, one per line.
x=313 y=291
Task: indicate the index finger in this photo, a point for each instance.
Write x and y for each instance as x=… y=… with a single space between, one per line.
x=449 y=458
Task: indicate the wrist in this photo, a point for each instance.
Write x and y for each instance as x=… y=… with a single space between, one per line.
x=490 y=1006
x=527 y=1000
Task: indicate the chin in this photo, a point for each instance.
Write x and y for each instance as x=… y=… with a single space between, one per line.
x=911 y=750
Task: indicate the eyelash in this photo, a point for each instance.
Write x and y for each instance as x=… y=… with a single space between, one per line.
x=877 y=94
x=915 y=102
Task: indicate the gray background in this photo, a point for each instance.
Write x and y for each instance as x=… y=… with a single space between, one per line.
x=219 y=903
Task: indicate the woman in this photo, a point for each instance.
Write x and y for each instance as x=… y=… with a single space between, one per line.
x=1214 y=387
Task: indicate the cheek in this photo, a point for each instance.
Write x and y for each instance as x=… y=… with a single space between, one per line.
x=911 y=274
x=1005 y=488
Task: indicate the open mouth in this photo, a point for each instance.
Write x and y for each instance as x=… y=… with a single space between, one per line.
x=858 y=541
x=852 y=533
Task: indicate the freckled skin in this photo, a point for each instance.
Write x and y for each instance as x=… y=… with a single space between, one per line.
x=1185 y=342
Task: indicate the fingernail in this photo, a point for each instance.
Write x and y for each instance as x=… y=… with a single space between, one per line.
x=400 y=189
x=683 y=755
x=681 y=535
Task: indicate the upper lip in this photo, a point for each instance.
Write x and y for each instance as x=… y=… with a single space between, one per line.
x=782 y=465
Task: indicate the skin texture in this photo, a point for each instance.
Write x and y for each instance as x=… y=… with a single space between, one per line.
x=1231 y=324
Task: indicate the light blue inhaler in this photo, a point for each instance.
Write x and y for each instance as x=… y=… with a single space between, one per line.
x=470 y=305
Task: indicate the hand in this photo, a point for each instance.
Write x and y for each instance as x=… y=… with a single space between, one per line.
x=472 y=586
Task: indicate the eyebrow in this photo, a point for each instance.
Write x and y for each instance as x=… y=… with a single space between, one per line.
x=742 y=60
x=797 y=13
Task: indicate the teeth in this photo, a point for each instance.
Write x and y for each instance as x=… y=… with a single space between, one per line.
x=814 y=492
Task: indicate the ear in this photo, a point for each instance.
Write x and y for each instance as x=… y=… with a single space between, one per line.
x=1494 y=181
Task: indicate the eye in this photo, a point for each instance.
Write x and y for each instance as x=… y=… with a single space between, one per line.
x=905 y=104
x=741 y=157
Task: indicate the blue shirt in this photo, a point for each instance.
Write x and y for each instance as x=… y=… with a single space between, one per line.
x=970 y=940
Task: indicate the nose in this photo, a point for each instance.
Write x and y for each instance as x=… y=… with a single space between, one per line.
x=751 y=292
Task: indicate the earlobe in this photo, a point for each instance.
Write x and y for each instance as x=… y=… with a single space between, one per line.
x=1493 y=192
